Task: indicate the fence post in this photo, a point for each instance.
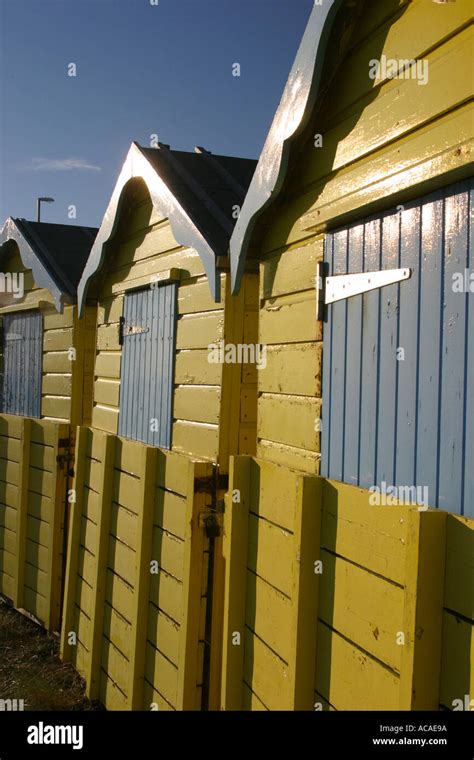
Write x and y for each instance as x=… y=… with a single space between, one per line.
x=58 y=507
x=148 y=462
x=22 y=511
x=235 y=551
x=194 y=543
x=306 y=551
x=423 y=610
x=104 y=488
x=74 y=533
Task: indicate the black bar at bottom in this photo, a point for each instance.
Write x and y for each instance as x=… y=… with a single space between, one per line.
x=317 y=735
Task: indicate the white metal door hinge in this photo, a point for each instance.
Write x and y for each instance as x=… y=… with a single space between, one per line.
x=342 y=286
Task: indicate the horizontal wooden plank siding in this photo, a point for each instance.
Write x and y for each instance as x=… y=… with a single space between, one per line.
x=353 y=122
x=364 y=164
x=144 y=253
x=135 y=574
x=208 y=398
x=63 y=387
x=370 y=578
x=457 y=670
x=269 y=649
x=33 y=484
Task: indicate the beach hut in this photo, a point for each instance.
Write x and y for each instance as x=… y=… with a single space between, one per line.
x=160 y=275
x=45 y=388
x=359 y=216
x=41 y=267
x=174 y=395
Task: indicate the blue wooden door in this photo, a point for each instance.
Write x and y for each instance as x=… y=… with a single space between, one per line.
x=22 y=342
x=147 y=371
x=398 y=375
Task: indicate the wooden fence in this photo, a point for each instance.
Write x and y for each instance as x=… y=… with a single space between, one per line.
x=457 y=662
x=333 y=603
x=137 y=571
x=33 y=492
x=391 y=587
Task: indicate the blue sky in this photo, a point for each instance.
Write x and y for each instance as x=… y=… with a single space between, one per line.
x=141 y=69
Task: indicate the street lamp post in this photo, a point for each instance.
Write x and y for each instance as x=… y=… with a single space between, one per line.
x=44 y=199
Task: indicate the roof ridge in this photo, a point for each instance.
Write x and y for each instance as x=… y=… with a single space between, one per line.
x=211 y=159
x=199 y=191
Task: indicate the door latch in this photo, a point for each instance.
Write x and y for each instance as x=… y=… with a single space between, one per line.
x=64 y=461
x=126 y=329
x=211 y=523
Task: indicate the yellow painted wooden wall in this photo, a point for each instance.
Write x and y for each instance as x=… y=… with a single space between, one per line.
x=457 y=670
x=66 y=386
x=373 y=627
x=138 y=630
x=32 y=511
x=382 y=142
x=209 y=399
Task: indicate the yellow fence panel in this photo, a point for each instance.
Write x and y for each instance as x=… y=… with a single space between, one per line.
x=271 y=588
x=136 y=578
x=457 y=665
x=332 y=602
x=33 y=493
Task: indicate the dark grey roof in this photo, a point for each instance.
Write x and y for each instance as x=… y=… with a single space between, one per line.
x=207 y=186
x=196 y=191
x=64 y=249
x=55 y=253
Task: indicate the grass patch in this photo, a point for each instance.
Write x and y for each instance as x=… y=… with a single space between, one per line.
x=30 y=668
